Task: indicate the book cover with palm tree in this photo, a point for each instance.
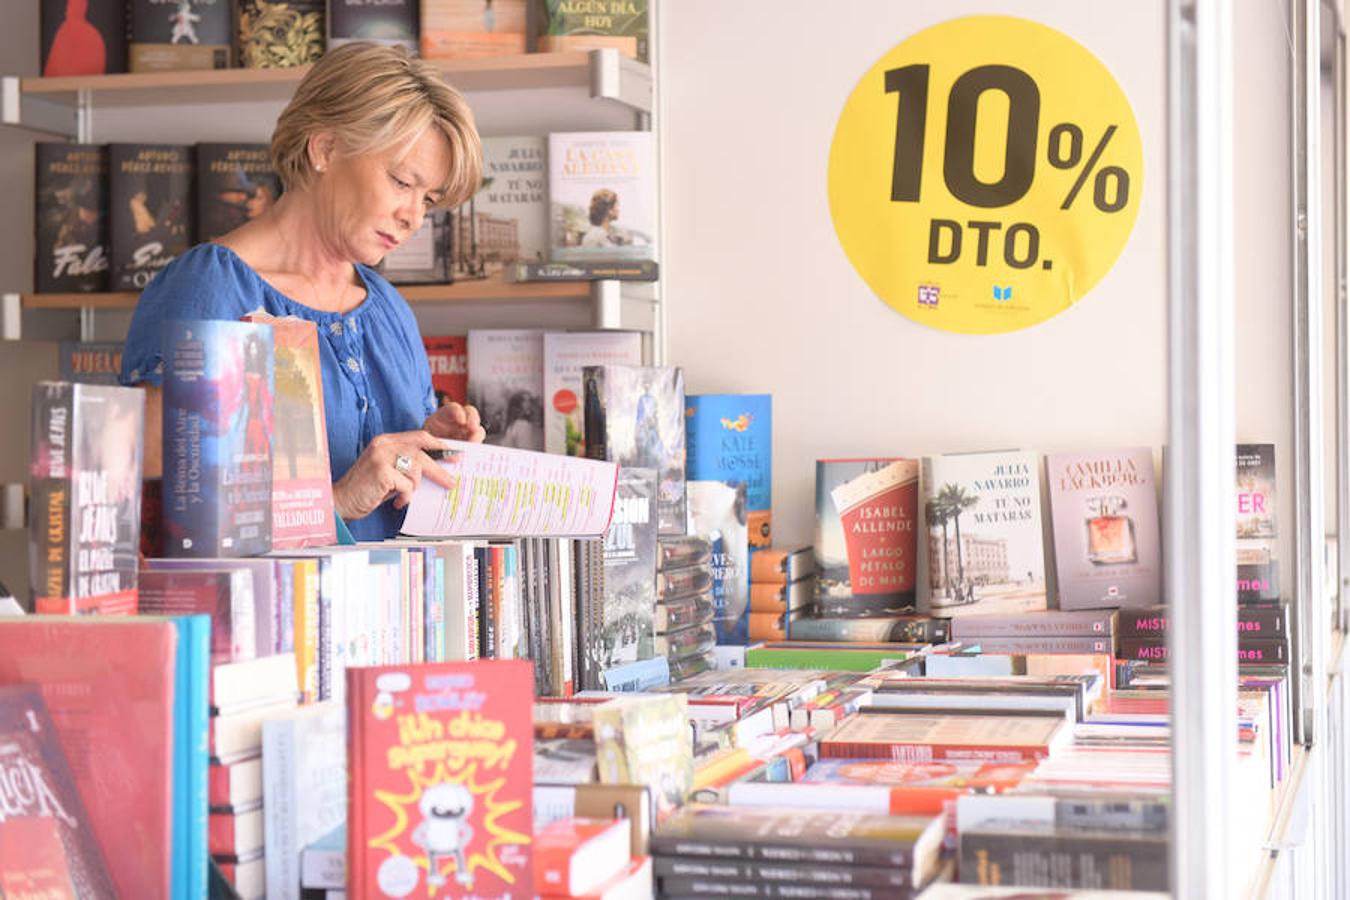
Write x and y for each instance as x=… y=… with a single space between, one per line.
x=986 y=550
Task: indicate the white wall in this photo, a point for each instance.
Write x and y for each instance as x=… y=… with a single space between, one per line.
x=760 y=296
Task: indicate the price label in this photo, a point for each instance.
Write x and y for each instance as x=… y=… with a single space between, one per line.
x=985 y=174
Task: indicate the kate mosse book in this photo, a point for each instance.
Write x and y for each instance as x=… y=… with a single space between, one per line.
x=505 y=224
x=152 y=214
x=986 y=552
x=387 y=22
x=85 y=508
x=602 y=196
x=1108 y=547
x=634 y=415
x=72 y=218
x=235 y=184
x=566 y=25
x=566 y=353
x=83 y=37
x=506 y=384
x=169 y=35
x=280 y=34
x=448 y=356
x=47 y=842
x=866 y=537
x=218 y=422
x=730 y=438
x=454 y=29
x=439 y=793
x=717 y=511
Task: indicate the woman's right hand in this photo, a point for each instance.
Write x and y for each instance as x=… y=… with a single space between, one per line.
x=376 y=475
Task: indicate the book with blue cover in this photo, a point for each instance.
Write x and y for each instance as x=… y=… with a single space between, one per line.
x=191 y=738
x=730 y=439
x=218 y=388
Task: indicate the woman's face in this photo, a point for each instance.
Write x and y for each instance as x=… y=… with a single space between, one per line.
x=372 y=202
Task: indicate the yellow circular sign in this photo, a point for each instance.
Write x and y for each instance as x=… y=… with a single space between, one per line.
x=985 y=174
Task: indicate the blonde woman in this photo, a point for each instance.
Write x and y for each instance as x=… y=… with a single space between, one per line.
x=372 y=139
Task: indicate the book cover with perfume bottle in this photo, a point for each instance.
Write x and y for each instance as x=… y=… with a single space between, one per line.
x=867 y=525
x=986 y=550
x=1257 y=568
x=1104 y=507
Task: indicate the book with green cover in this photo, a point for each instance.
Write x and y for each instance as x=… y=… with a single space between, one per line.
x=841 y=660
x=646 y=740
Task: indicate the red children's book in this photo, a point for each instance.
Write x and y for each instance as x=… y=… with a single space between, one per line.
x=47 y=849
x=440 y=784
x=108 y=685
x=574 y=856
x=448 y=356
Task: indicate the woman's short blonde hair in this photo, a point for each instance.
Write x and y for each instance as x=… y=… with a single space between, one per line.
x=373 y=97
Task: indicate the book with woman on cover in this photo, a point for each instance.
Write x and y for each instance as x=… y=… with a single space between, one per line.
x=602 y=193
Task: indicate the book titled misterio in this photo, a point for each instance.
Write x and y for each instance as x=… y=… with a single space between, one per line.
x=565 y=355
x=448 y=356
x=235 y=184
x=506 y=381
x=47 y=844
x=602 y=195
x=169 y=35
x=83 y=37
x=280 y=34
x=72 y=218
x=867 y=523
x=152 y=215
x=218 y=419
x=730 y=438
x=454 y=29
x=1108 y=549
x=506 y=222
x=85 y=519
x=439 y=795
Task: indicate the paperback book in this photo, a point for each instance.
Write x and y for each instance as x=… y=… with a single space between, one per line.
x=72 y=218
x=730 y=439
x=424 y=258
x=506 y=383
x=565 y=355
x=83 y=38
x=566 y=25
x=634 y=416
x=387 y=22
x=85 y=519
x=602 y=195
x=986 y=552
x=867 y=523
x=453 y=29
x=235 y=184
x=623 y=631
x=439 y=793
x=169 y=35
x=1257 y=563
x=90 y=362
x=448 y=356
x=152 y=215
x=1107 y=543
x=717 y=511
x=280 y=34
x=505 y=224
x=647 y=740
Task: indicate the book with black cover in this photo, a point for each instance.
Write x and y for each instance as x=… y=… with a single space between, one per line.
x=83 y=37
x=72 y=218
x=235 y=183
x=169 y=35
x=152 y=210
x=280 y=34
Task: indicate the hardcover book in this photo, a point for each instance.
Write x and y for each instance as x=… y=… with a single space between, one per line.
x=634 y=416
x=1108 y=548
x=565 y=355
x=454 y=29
x=91 y=362
x=439 y=791
x=218 y=388
x=85 y=513
x=151 y=219
x=235 y=184
x=424 y=258
x=1258 y=573
x=602 y=195
x=950 y=734
x=717 y=511
x=506 y=383
x=304 y=788
x=280 y=34
x=180 y=34
x=388 y=22
x=986 y=552
x=72 y=218
x=647 y=740
x=730 y=439
x=782 y=565
x=624 y=630
x=47 y=843
x=867 y=522
x=83 y=37
x=566 y=25
x=448 y=356
x=224 y=595
x=506 y=222
x=302 y=482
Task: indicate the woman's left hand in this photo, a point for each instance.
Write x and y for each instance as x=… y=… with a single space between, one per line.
x=456 y=423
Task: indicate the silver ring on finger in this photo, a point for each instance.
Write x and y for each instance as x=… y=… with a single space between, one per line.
x=403 y=463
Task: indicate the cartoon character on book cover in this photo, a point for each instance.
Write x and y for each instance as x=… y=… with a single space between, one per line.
x=441 y=773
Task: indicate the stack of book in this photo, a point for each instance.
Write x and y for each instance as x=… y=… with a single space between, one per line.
x=585 y=857
x=1080 y=632
x=782 y=588
x=685 y=606
x=1263 y=634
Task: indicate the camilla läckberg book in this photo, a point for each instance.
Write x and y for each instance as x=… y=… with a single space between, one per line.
x=867 y=524
x=439 y=787
x=986 y=550
x=1107 y=544
x=602 y=195
x=86 y=497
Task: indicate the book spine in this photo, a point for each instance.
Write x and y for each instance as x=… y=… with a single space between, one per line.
x=1252 y=621
x=763 y=871
x=327 y=579
x=359 y=883
x=896 y=855
x=50 y=540
x=917 y=629
x=991 y=858
x=637 y=270
x=923 y=752
x=190 y=766
x=1098 y=624
x=280 y=809
x=1250 y=650
x=1032 y=645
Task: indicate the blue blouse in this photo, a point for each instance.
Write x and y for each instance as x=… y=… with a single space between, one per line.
x=375 y=373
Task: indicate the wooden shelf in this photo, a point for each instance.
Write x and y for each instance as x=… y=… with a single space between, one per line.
x=463 y=292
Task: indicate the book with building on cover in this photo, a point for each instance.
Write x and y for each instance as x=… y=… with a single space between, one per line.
x=439 y=795
x=387 y=22
x=85 y=474
x=506 y=383
x=1108 y=546
x=83 y=37
x=717 y=511
x=985 y=548
x=168 y=35
x=730 y=439
x=151 y=210
x=568 y=25
x=506 y=222
x=634 y=415
x=47 y=843
x=602 y=195
x=235 y=184
x=279 y=34
x=867 y=522
x=448 y=356
x=624 y=629
x=218 y=420
x=565 y=355
x=71 y=194
x=453 y=29
x=424 y=256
